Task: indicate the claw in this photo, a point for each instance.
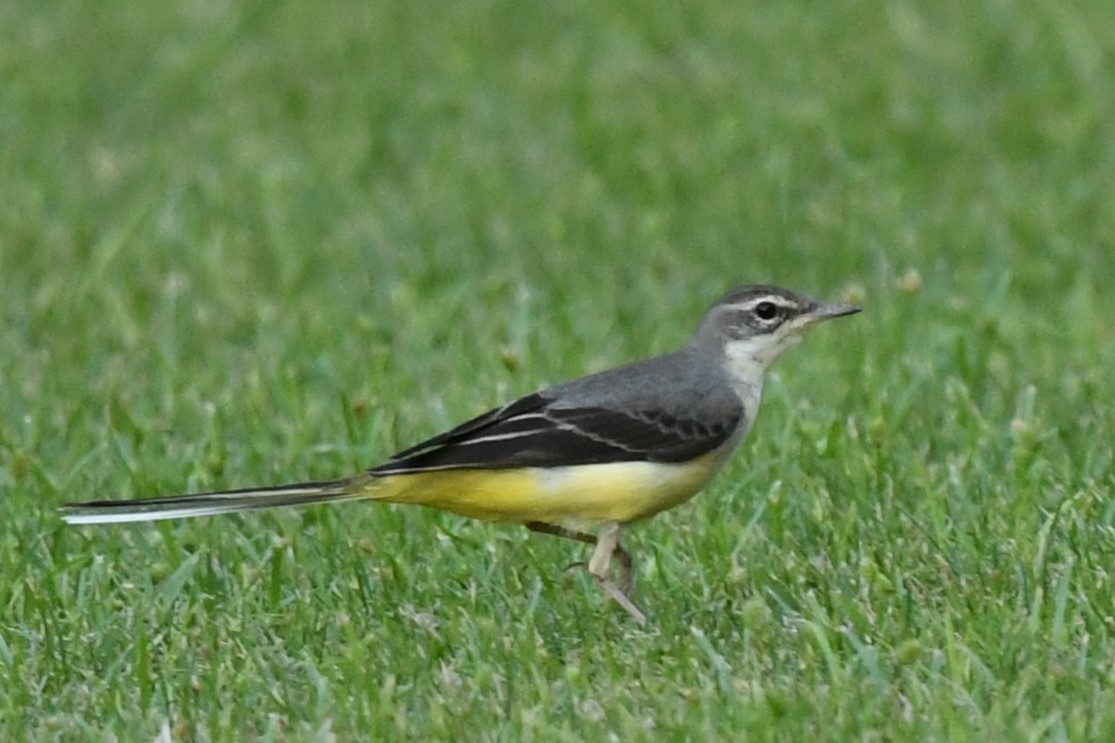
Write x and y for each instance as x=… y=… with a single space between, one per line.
x=615 y=594
x=577 y=564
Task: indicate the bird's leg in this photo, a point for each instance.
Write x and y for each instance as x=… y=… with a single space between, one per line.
x=607 y=546
x=560 y=531
x=541 y=527
x=625 y=580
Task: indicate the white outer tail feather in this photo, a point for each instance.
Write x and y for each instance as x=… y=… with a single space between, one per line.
x=211 y=504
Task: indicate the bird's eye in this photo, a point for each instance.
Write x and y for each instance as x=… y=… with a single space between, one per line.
x=766 y=310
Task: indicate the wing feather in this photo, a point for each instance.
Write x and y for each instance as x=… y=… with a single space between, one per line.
x=533 y=433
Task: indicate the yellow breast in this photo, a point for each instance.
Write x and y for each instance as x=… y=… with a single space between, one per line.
x=574 y=496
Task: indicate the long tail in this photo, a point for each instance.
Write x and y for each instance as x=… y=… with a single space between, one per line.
x=209 y=504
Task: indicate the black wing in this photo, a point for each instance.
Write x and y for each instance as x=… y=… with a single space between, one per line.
x=531 y=432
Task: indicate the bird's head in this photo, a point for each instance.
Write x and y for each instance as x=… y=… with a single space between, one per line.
x=753 y=325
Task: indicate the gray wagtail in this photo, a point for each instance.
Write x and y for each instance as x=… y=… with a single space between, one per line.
x=580 y=460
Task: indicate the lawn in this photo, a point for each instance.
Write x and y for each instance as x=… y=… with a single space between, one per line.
x=265 y=242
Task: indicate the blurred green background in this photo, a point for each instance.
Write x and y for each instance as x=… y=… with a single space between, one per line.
x=263 y=242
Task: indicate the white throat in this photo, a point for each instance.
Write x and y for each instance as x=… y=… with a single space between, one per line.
x=747 y=360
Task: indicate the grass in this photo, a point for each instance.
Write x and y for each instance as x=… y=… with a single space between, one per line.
x=271 y=241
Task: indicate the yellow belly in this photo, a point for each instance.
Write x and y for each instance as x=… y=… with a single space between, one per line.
x=569 y=496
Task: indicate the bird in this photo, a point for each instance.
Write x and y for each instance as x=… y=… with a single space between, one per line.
x=583 y=459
